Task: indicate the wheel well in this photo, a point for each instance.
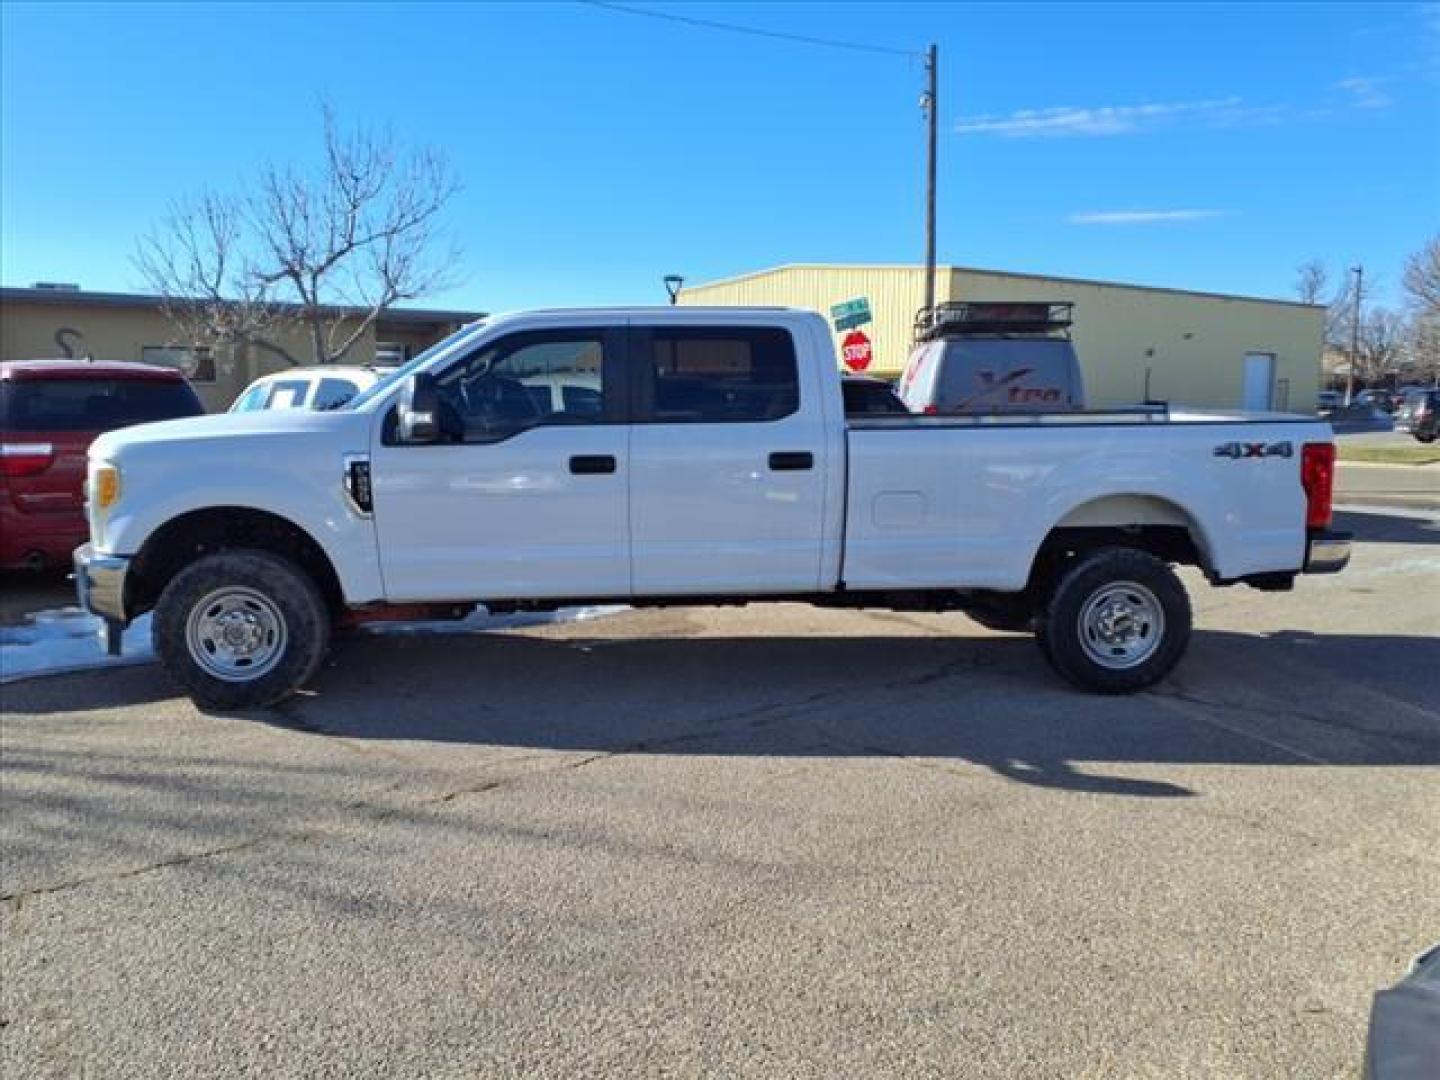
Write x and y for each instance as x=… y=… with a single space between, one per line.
x=186 y=538
x=1064 y=544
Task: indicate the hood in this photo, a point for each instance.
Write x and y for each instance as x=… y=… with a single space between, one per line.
x=220 y=427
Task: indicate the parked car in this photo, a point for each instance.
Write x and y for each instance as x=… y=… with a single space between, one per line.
x=1328 y=401
x=865 y=395
x=325 y=386
x=1420 y=415
x=720 y=467
x=1404 y=1038
x=1375 y=399
x=50 y=412
x=986 y=358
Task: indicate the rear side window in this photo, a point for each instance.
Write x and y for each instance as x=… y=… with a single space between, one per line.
x=332 y=393
x=721 y=375
x=288 y=394
x=92 y=404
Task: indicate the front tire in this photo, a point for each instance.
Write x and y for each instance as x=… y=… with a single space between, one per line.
x=1425 y=438
x=241 y=629
x=1118 y=621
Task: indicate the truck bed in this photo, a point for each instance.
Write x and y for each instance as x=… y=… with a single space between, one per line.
x=966 y=501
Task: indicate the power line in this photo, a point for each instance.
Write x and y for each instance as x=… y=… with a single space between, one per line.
x=711 y=24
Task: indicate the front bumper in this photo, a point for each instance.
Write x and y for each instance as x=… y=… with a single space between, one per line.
x=1327 y=551
x=100 y=586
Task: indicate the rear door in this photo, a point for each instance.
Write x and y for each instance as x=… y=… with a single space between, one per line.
x=727 y=484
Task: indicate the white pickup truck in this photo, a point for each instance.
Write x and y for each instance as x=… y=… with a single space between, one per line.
x=682 y=456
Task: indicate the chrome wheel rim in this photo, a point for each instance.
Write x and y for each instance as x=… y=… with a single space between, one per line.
x=236 y=634
x=1121 y=625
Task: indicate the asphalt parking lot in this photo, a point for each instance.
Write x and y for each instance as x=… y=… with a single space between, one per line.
x=761 y=842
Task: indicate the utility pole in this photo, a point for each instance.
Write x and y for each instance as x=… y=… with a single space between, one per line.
x=1359 y=272
x=929 y=103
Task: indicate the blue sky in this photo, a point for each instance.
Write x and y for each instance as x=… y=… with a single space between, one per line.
x=1211 y=146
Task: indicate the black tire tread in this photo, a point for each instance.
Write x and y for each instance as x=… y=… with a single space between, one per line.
x=307 y=626
x=1059 y=636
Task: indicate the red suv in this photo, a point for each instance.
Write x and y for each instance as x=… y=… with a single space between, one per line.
x=50 y=412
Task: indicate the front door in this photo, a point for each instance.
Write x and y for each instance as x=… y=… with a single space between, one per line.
x=532 y=502
x=727 y=473
x=1257 y=389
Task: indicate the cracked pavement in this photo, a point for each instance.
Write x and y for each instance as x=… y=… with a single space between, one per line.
x=763 y=842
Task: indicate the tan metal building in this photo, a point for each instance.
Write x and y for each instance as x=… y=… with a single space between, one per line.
x=45 y=322
x=1187 y=348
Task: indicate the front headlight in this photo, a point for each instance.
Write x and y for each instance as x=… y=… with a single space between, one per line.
x=105 y=486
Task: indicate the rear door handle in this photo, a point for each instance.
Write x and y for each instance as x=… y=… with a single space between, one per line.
x=592 y=464
x=792 y=461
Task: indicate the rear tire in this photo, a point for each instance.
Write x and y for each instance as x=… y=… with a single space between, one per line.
x=1426 y=438
x=1118 y=621
x=241 y=629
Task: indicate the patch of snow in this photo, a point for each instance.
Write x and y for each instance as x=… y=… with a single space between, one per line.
x=67 y=639
x=70 y=639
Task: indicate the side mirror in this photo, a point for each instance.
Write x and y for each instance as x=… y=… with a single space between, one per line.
x=419 y=411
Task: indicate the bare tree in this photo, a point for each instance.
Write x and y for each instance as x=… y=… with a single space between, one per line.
x=1312 y=282
x=1312 y=286
x=1382 y=339
x=1422 y=279
x=210 y=292
x=324 y=251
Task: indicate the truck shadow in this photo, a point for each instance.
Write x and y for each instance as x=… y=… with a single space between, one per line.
x=1286 y=698
x=1376 y=527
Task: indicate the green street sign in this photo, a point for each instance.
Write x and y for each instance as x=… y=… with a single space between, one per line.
x=850 y=314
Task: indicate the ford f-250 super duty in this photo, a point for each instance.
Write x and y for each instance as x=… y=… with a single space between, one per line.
x=682 y=456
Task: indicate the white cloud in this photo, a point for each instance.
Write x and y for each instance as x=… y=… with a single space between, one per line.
x=1070 y=121
x=1366 y=92
x=1142 y=217
x=1097 y=120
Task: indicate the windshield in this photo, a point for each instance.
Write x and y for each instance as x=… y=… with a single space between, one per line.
x=405 y=370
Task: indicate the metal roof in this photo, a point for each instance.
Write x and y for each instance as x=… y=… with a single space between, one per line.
x=81 y=298
x=948 y=268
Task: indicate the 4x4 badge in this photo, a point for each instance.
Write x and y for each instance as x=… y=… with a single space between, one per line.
x=1254 y=449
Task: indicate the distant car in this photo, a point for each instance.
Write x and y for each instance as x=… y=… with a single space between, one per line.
x=1404 y=1038
x=50 y=413
x=326 y=386
x=1420 y=415
x=1328 y=401
x=1376 y=399
x=869 y=396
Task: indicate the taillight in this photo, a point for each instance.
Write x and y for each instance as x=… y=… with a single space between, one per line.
x=25 y=459
x=931 y=410
x=1317 y=476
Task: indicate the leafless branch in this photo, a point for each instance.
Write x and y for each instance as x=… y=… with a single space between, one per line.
x=324 y=252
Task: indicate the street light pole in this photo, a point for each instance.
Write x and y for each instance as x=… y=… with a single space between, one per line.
x=1359 y=272
x=930 y=104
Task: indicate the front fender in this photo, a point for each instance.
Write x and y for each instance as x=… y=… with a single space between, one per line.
x=307 y=497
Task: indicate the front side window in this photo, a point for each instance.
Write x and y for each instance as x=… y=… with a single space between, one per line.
x=726 y=374
x=332 y=393
x=528 y=380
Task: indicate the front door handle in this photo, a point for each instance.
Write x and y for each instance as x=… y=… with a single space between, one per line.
x=792 y=461
x=592 y=464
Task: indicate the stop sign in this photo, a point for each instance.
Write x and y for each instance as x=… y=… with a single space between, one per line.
x=855 y=350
